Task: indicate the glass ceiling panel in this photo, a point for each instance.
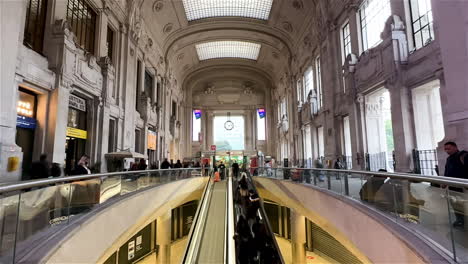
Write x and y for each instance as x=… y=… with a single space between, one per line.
x=199 y=9
x=228 y=49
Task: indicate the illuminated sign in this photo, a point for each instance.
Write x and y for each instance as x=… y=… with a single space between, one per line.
x=152 y=136
x=76 y=133
x=77 y=103
x=261 y=112
x=25 y=122
x=197 y=113
x=26 y=104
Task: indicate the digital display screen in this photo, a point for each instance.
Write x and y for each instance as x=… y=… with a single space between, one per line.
x=197 y=114
x=261 y=112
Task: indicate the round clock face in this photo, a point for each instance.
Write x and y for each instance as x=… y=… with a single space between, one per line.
x=229 y=125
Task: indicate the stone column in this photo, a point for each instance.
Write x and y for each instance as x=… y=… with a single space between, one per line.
x=451 y=18
x=403 y=126
x=298 y=237
x=101 y=50
x=58 y=118
x=163 y=238
x=12 y=18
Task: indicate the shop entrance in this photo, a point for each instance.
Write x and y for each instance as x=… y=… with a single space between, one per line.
x=74 y=149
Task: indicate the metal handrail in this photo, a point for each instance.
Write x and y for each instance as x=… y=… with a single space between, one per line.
x=65 y=179
x=443 y=180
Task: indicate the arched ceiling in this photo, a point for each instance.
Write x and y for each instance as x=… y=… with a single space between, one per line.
x=177 y=37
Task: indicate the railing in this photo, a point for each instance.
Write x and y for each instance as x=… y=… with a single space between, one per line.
x=34 y=211
x=432 y=213
x=426 y=162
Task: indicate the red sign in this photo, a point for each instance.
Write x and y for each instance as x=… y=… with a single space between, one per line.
x=213 y=147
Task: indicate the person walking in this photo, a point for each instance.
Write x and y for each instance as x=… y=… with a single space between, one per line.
x=40 y=169
x=457 y=167
x=235 y=168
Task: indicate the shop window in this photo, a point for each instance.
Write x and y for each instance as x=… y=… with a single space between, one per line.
x=373 y=14
x=182 y=219
x=82 y=19
x=151 y=146
x=422 y=22
x=35 y=23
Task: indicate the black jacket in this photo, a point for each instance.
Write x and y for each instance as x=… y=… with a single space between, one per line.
x=456 y=169
x=79 y=170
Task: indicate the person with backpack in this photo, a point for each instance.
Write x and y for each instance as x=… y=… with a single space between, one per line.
x=456 y=167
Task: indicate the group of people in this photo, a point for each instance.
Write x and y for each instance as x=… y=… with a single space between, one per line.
x=253 y=243
x=43 y=168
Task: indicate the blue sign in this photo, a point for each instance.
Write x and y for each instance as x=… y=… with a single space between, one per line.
x=197 y=113
x=25 y=122
x=261 y=112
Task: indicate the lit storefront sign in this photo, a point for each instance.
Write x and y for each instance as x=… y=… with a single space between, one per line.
x=76 y=133
x=25 y=110
x=25 y=122
x=152 y=137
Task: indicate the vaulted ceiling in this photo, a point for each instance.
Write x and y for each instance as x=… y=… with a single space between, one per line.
x=169 y=24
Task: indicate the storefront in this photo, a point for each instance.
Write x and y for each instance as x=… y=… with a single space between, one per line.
x=26 y=127
x=77 y=134
x=152 y=138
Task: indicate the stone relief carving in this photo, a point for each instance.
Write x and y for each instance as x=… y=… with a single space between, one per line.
x=168 y=28
x=158 y=6
x=134 y=21
x=287 y=26
x=297 y=4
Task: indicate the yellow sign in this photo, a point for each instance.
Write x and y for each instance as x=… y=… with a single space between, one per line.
x=76 y=133
x=152 y=140
x=13 y=164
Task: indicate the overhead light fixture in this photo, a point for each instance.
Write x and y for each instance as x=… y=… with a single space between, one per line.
x=199 y=9
x=228 y=49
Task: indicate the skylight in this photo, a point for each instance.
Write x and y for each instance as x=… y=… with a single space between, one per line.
x=228 y=49
x=199 y=9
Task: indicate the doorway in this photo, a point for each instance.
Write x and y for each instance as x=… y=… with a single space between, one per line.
x=379 y=131
x=74 y=149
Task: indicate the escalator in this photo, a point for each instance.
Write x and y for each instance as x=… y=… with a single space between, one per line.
x=213 y=236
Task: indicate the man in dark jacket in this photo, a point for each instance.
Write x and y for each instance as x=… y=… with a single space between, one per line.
x=165 y=165
x=178 y=165
x=456 y=167
x=40 y=169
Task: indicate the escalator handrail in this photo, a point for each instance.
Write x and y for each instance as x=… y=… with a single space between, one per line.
x=191 y=250
x=229 y=247
x=265 y=218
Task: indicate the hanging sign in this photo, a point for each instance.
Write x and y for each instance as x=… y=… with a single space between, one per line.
x=76 y=133
x=152 y=136
x=26 y=122
x=213 y=148
x=261 y=112
x=77 y=103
